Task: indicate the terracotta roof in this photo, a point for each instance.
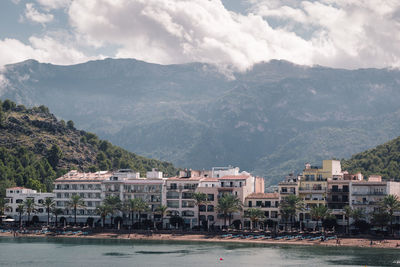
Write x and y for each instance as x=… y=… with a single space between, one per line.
x=235 y=177
x=209 y=179
x=184 y=179
x=81 y=176
x=263 y=195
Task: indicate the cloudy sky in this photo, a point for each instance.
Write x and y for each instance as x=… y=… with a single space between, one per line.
x=335 y=33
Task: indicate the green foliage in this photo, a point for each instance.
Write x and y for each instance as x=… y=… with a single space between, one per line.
x=70 y=125
x=8 y=105
x=54 y=155
x=35 y=149
x=383 y=160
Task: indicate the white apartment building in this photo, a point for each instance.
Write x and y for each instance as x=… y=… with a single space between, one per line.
x=86 y=185
x=18 y=195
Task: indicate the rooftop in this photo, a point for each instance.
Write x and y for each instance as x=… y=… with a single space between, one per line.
x=82 y=176
x=263 y=196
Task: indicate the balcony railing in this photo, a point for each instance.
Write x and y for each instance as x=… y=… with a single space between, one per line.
x=338 y=190
x=377 y=193
x=316 y=189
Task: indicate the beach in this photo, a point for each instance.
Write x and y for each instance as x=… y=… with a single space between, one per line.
x=339 y=242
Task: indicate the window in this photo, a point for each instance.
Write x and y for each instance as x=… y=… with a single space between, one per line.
x=172 y=195
x=210 y=218
x=40 y=210
x=188 y=213
x=66 y=195
x=266 y=214
x=210 y=208
x=202 y=208
x=19 y=201
x=267 y=203
x=40 y=201
x=258 y=203
x=210 y=197
x=173 y=203
x=250 y=203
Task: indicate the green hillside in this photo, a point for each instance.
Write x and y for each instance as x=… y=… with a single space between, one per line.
x=383 y=160
x=35 y=148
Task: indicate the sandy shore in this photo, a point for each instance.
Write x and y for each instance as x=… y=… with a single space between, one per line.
x=346 y=242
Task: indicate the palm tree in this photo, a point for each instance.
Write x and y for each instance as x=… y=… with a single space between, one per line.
x=319 y=213
x=254 y=215
x=290 y=205
x=20 y=209
x=227 y=205
x=57 y=212
x=134 y=205
x=49 y=204
x=162 y=210
x=30 y=207
x=347 y=212
x=200 y=199
x=76 y=202
x=103 y=211
x=390 y=204
x=115 y=205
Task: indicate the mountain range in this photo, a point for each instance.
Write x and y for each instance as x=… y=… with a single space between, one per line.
x=269 y=120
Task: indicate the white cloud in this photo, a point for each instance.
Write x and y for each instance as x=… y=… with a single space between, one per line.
x=167 y=31
x=344 y=33
x=32 y=14
x=54 y=4
x=45 y=49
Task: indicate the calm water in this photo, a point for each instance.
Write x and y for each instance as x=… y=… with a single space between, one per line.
x=88 y=252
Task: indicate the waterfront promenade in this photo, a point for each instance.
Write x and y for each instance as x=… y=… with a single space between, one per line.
x=255 y=238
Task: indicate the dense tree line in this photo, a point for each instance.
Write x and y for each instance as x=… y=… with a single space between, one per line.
x=37 y=165
x=383 y=160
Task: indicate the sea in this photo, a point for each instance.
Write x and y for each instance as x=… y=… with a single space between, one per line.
x=23 y=251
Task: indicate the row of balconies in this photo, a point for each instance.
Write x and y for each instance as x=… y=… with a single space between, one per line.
x=374 y=193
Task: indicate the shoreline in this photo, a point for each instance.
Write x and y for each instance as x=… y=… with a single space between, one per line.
x=344 y=242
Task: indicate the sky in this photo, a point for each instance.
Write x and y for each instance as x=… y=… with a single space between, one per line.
x=233 y=34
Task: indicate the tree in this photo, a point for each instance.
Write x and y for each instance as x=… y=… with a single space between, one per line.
x=380 y=218
x=8 y=105
x=30 y=207
x=199 y=199
x=290 y=205
x=57 y=212
x=49 y=205
x=254 y=215
x=319 y=213
x=74 y=203
x=162 y=210
x=20 y=210
x=390 y=204
x=70 y=125
x=347 y=213
x=227 y=205
x=103 y=211
x=115 y=205
x=3 y=206
x=134 y=205
x=54 y=155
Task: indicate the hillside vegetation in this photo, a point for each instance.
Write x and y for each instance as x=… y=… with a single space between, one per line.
x=383 y=160
x=35 y=148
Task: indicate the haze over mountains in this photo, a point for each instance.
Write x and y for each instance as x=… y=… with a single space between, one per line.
x=269 y=120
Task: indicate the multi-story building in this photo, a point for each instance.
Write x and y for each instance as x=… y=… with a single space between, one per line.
x=18 y=195
x=223 y=180
x=86 y=185
x=367 y=195
x=267 y=202
x=313 y=186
